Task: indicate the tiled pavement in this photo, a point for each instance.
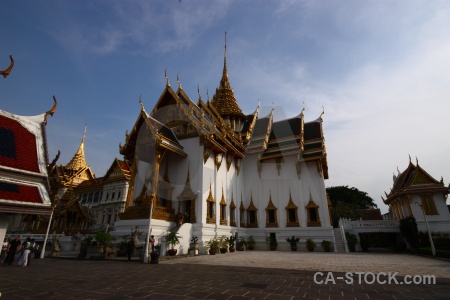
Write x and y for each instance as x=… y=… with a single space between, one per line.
x=239 y=275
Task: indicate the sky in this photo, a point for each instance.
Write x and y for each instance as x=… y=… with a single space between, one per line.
x=380 y=70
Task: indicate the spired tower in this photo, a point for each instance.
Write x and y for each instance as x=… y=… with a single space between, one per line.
x=219 y=172
x=225 y=101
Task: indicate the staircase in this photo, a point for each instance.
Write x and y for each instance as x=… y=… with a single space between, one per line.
x=339 y=243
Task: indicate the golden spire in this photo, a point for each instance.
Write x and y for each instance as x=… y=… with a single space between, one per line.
x=224 y=100
x=78 y=161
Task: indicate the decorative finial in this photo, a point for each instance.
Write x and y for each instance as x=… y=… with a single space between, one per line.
x=323 y=111
x=417 y=161
x=6 y=72
x=303 y=109
x=51 y=111
x=179 y=83
x=409 y=158
x=273 y=106
x=140 y=102
x=259 y=103
x=398 y=170
x=84 y=135
x=225 y=52
x=198 y=91
x=207 y=94
x=167 y=78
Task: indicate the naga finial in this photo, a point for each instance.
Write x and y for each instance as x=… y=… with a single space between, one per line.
x=179 y=83
x=51 y=111
x=323 y=111
x=6 y=72
x=53 y=163
x=167 y=78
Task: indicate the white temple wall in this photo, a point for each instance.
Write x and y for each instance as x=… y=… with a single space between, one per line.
x=438 y=223
x=178 y=170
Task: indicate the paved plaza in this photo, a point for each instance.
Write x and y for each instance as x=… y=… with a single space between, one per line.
x=239 y=275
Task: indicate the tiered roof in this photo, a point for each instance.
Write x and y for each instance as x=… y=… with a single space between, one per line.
x=414 y=180
x=23 y=163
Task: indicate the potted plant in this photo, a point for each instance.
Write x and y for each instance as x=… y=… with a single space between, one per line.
x=123 y=245
x=326 y=245
x=154 y=255
x=103 y=239
x=194 y=245
x=212 y=246
x=84 y=247
x=351 y=241
x=272 y=243
x=251 y=243
x=293 y=242
x=310 y=245
x=172 y=240
x=241 y=244
x=231 y=241
x=223 y=244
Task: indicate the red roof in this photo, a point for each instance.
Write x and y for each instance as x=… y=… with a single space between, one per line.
x=19 y=192
x=18 y=146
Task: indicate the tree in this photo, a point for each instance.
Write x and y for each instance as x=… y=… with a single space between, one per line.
x=347 y=201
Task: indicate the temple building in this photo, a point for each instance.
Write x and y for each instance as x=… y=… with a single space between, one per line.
x=416 y=193
x=225 y=172
x=24 y=167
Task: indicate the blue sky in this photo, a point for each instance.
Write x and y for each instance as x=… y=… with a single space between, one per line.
x=380 y=69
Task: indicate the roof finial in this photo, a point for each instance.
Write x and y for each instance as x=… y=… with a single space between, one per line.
x=84 y=134
x=409 y=158
x=179 y=83
x=259 y=103
x=198 y=91
x=417 y=161
x=323 y=111
x=273 y=105
x=6 y=72
x=51 y=111
x=140 y=102
x=225 y=51
x=167 y=78
x=207 y=94
x=398 y=170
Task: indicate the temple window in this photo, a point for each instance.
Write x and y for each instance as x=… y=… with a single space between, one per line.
x=90 y=196
x=107 y=196
x=118 y=196
x=252 y=218
x=271 y=214
x=291 y=214
x=428 y=205
x=223 y=210
x=242 y=215
x=232 y=213
x=312 y=210
x=96 y=196
x=210 y=208
x=113 y=195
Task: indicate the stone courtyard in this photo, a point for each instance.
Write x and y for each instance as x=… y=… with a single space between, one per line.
x=239 y=275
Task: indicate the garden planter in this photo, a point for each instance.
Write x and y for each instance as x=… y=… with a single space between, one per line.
x=172 y=252
x=223 y=250
x=212 y=252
